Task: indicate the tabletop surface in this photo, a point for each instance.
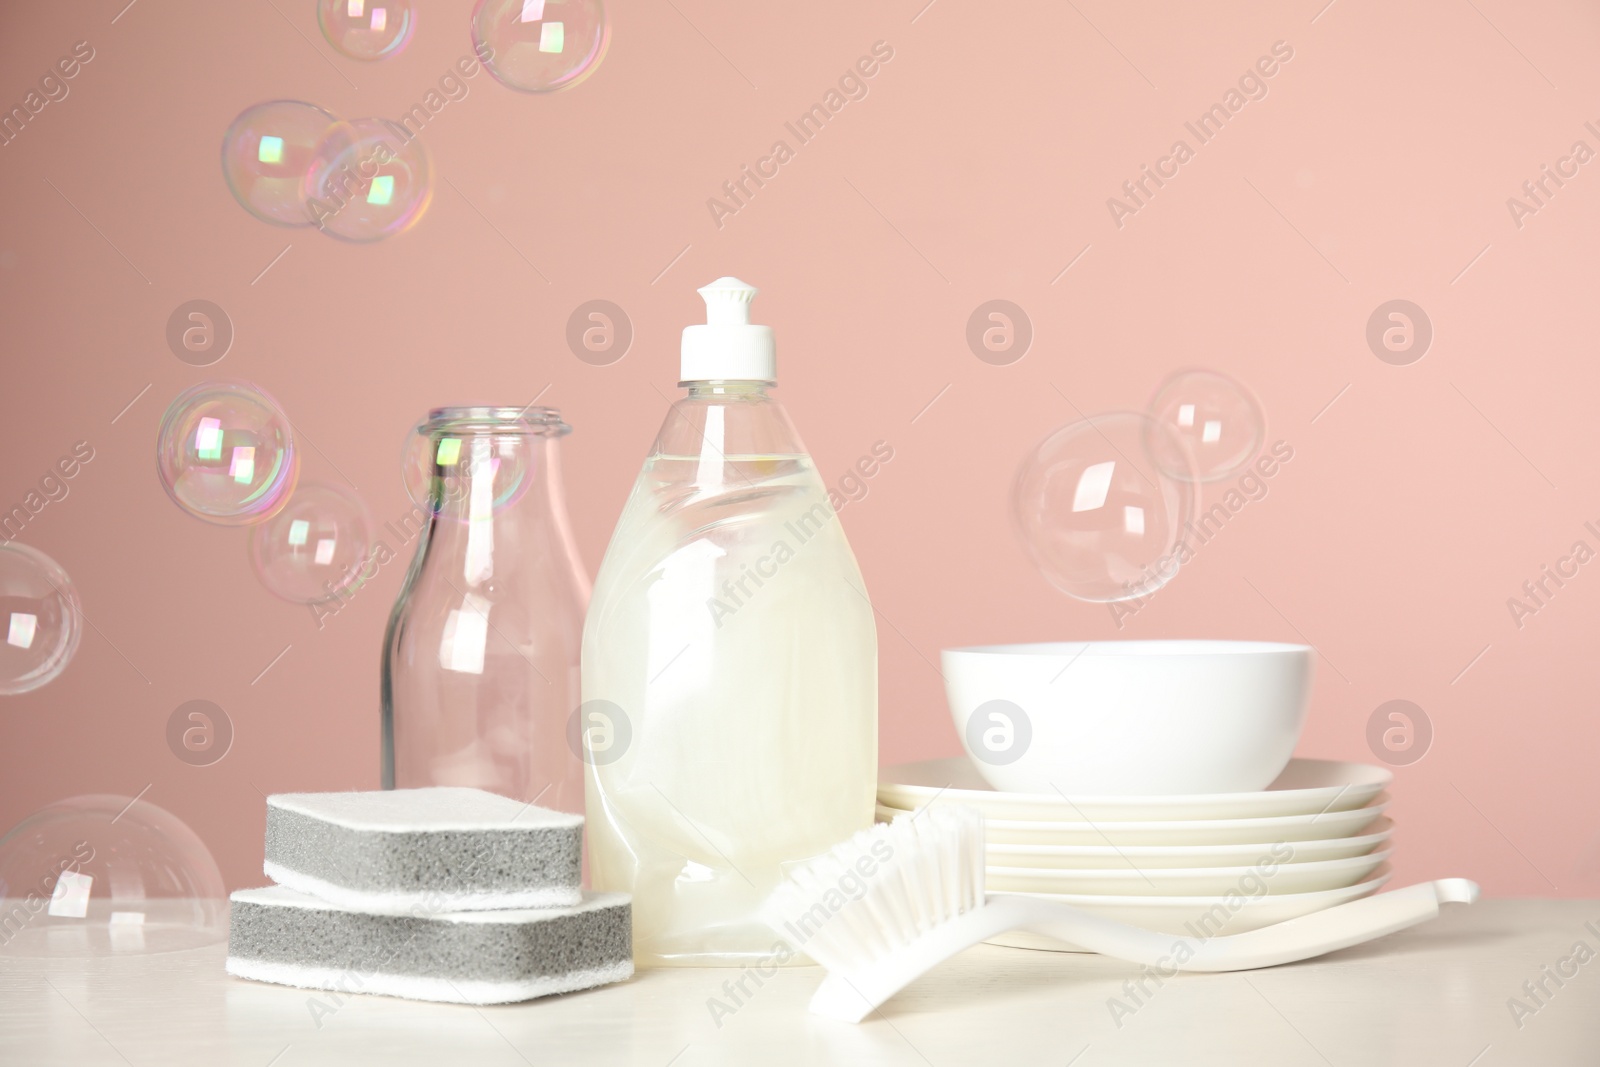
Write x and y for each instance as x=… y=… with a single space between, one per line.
x=1444 y=994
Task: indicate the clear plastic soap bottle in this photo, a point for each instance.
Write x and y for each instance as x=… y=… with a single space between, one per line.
x=729 y=716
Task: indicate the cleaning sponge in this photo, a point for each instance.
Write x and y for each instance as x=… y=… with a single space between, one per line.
x=482 y=957
x=439 y=849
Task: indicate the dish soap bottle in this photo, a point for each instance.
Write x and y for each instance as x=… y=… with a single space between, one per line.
x=730 y=663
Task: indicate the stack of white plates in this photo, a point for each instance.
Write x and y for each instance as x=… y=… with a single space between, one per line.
x=1193 y=866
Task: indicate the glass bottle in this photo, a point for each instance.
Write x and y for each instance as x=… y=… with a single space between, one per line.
x=480 y=662
x=729 y=664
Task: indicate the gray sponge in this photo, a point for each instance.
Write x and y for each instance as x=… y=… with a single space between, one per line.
x=481 y=957
x=440 y=849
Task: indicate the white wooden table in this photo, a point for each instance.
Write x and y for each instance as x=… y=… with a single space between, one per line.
x=1434 y=996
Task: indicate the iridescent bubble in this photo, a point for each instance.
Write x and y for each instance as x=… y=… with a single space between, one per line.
x=226 y=453
x=267 y=154
x=540 y=46
x=1098 y=515
x=40 y=619
x=370 y=179
x=367 y=29
x=107 y=875
x=316 y=547
x=473 y=468
x=1216 y=418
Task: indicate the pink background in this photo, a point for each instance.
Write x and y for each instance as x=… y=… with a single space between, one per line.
x=978 y=167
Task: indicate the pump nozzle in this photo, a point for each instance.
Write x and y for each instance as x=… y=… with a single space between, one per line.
x=727 y=347
x=728 y=302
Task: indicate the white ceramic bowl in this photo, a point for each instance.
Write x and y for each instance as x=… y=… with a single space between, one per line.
x=1114 y=718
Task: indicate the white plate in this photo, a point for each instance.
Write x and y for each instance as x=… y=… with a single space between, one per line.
x=1280 y=876
x=1178 y=832
x=1197 y=917
x=1306 y=787
x=1148 y=857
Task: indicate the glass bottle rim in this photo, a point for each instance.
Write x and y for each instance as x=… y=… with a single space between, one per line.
x=490 y=419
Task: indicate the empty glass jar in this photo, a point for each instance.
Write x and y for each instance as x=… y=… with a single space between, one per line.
x=480 y=664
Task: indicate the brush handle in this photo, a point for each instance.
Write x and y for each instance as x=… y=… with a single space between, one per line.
x=853 y=996
x=1311 y=935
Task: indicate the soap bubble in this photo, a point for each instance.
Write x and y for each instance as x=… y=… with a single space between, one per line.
x=1216 y=418
x=367 y=29
x=316 y=547
x=266 y=155
x=1097 y=513
x=370 y=179
x=540 y=45
x=226 y=453
x=107 y=875
x=477 y=469
x=40 y=619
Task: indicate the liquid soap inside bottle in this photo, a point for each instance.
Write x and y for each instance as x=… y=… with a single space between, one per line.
x=729 y=677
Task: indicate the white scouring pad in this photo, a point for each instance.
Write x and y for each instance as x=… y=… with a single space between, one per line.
x=440 y=849
x=478 y=957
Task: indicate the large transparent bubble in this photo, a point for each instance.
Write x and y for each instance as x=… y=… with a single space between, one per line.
x=41 y=621
x=316 y=547
x=540 y=46
x=1219 y=421
x=107 y=875
x=370 y=179
x=226 y=453
x=1098 y=512
x=455 y=473
x=267 y=153
x=367 y=29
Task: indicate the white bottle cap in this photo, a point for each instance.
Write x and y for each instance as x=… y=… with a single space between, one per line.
x=726 y=347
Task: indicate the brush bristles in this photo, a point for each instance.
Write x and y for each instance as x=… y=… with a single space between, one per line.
x=883 y=888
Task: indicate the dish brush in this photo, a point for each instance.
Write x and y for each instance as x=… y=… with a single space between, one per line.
x=887 y=905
